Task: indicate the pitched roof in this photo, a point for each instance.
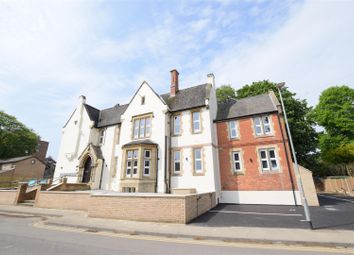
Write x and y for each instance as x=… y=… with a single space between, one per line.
x=184 y=99
x=111 y=115
x=12 y=160
x=140 y=142
x=92 y=112
x=188 y=98
x=246 y=106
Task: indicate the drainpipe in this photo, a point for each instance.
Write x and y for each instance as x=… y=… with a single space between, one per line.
x=99 y=187
x=156 y=167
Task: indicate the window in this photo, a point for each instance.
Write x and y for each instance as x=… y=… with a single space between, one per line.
x=143 y=100
x=196 y=122
x=269 y=159
x=147 y=162
x=236 y=159
x=198 y=165
x=142 y=127
x=128 y=189
x=177 y=162
x=262 y=125
x=101 y=138
x=132 y=163
x=233 y=129
x=176 y=120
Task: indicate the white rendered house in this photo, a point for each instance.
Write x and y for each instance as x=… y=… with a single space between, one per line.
x=155 y=143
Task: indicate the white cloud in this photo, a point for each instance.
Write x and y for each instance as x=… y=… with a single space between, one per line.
x=311 y=49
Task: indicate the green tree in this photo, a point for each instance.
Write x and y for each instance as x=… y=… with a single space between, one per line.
x=224 y=93
x=302 y=127
x=335 y=112
x=15 y=138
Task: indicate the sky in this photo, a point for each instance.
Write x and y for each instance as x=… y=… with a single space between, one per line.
x=53 y=51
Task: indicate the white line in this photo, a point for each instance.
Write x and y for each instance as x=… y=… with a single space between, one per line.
x=257 y=213
x=342 y=199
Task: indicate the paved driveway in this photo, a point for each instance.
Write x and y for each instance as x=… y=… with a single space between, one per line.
x=335 y=212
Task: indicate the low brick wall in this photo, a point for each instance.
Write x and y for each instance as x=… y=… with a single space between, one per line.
x=7 y=197
x=63 y=200
x=151 y=207
x=130 y=206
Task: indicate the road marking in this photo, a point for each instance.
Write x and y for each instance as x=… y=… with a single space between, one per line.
x=201 y=242
x=341 y=199
x=258 y=213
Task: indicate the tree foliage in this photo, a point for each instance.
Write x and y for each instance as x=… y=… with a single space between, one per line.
x=302 y=127
x=335 y=112
x=224 y=93
x=15 y=138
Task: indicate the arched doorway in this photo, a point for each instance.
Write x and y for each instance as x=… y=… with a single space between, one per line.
x=87 y=171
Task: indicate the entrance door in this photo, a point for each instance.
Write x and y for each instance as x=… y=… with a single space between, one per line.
x=87 y=171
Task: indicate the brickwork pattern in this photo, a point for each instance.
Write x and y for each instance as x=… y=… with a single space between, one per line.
x=7 y=197
x=252 y=179
x=63 y=200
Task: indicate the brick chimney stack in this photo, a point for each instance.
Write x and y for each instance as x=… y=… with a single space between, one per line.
x=41 y=150
x=174 y=82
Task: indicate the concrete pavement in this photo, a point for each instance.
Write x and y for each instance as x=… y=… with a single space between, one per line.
x=78 y=219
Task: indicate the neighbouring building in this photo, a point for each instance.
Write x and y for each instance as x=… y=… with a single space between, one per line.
x=25 y=167
x=182 y=142
x=255 y=160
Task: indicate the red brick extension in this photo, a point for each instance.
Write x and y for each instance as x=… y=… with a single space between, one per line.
x=252 y=179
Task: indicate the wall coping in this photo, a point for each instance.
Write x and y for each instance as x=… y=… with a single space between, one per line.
x=145 y=195
x=66 y=192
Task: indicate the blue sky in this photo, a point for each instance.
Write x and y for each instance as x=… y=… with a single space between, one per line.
x=53 y=51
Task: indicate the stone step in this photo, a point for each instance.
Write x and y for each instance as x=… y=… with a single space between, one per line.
x=27 y=203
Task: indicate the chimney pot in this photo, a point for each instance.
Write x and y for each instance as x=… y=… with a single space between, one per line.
x=174 y=82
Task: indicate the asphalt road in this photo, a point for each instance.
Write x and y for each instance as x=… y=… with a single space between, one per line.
x=335 y=212
x=19 y=236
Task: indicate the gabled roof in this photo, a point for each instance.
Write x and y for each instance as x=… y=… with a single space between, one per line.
x=111 y=116
x=184 y=99
x=246 y=106
x=188 y=98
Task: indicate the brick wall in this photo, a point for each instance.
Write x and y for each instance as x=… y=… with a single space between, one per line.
x=139 y=208
x=7 y=197
x=26 y=170
x=63 y=200
x=252 y=179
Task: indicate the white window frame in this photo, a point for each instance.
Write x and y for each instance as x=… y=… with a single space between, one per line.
x=102 y=135
x=239 y=161
x=199 y=129
x=147 y=159
x=235 y=129
x=142 y=127
x=177 y=161
x=268 y=159
x=133 y=159
x=175 y=131
x=262 y=125
x=195 y=159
